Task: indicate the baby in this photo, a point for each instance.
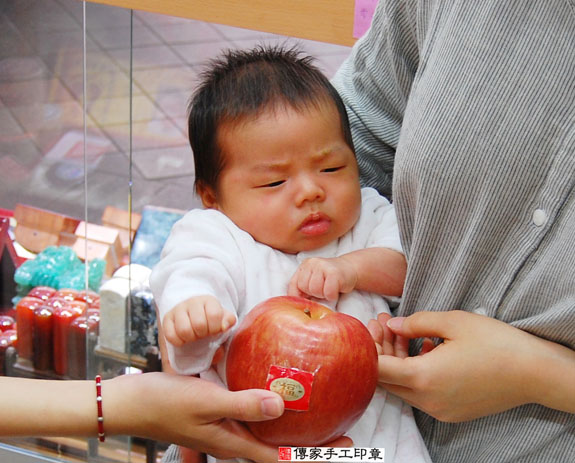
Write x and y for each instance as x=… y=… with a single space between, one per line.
x=284 y=213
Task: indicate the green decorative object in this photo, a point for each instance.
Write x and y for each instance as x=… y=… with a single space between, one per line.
x=59 y=267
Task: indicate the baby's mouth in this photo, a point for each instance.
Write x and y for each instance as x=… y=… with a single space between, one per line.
x=315 y=224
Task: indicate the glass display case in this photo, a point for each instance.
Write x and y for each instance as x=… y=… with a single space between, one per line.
x=95 y=167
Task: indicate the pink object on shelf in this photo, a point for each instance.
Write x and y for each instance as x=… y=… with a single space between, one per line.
x=363 y=13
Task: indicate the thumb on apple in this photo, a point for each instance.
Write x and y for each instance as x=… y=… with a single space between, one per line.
x=253 y=405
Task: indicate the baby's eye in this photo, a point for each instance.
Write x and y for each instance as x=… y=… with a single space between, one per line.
x=272 y=184
x=333 y=169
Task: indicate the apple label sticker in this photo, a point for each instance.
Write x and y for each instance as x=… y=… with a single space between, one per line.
x=292 y=384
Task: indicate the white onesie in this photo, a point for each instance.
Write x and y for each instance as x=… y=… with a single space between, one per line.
x=207 y=254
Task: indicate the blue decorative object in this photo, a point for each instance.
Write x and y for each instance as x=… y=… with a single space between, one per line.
x=152 y=233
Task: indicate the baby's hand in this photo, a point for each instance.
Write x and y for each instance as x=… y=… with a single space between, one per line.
x=389 y=343
x=386 y=341
x=196 y=318
x=323 y=278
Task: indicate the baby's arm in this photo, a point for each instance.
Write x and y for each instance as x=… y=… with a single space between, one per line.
x=377 y=270
x=196 y=318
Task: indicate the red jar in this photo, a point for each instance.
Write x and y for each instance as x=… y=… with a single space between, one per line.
x=94 y=315
x=25 y=325
x=5 y=343
x=67 y=293
x=81 y=340
x=63 y=318
x=6 y=323
x=43 y=353
x=56 y=302
x=79 y=306
x=42 y=292
x=12 y=336
x=89 y=297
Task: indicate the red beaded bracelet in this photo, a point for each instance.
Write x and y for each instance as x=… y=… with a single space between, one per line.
x=101 y=433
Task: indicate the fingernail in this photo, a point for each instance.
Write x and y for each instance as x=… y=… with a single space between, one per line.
x=395 y=323
x=272 y=407
x=227 y=323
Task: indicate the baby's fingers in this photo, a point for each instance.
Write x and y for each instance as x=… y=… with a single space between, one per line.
x=331 y=288
x=376 y=332
x=178 y=327
x=382 y=335
x=427 y=346
x=299 y=283
x=217 y=318
x=293 y=289
x=169 y=331
x=317 y=285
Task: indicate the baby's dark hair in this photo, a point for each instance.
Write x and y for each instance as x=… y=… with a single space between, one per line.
x=243 y=84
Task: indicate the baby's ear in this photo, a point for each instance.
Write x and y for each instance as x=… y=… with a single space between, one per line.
x=207 y=195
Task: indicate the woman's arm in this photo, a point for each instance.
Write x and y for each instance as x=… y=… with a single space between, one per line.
x=178 y=409
x=374 y=83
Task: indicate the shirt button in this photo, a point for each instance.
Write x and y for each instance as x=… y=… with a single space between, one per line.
x=539 y=217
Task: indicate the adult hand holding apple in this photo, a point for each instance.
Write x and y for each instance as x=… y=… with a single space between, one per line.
x=322 y=362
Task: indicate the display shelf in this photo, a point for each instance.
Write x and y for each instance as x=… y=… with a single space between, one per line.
x=107 y=359
x=72 y=450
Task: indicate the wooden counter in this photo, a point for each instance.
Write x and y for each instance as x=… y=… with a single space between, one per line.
x=321 y=20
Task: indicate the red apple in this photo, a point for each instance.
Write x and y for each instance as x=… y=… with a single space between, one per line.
x=333 y=350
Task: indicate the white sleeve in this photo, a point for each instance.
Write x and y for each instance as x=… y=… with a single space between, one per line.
x=200 y=257
x=378 y=215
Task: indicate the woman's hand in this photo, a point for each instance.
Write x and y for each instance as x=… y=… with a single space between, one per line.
x=484 y=366
x=193 y=413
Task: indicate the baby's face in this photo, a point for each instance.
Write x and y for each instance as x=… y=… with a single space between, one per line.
x=290 y=179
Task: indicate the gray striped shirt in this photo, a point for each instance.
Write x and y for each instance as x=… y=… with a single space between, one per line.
x=471 y=106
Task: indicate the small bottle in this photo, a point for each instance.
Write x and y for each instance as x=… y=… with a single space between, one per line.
x=12 y=335
x=25 y=325
x=89 y=297
x=81 y=340
x=63 y=318
x=8 y=339
x=42 y=292
x=43 y=352
x=6 y=323
x=5 y=342
x=67 y=293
